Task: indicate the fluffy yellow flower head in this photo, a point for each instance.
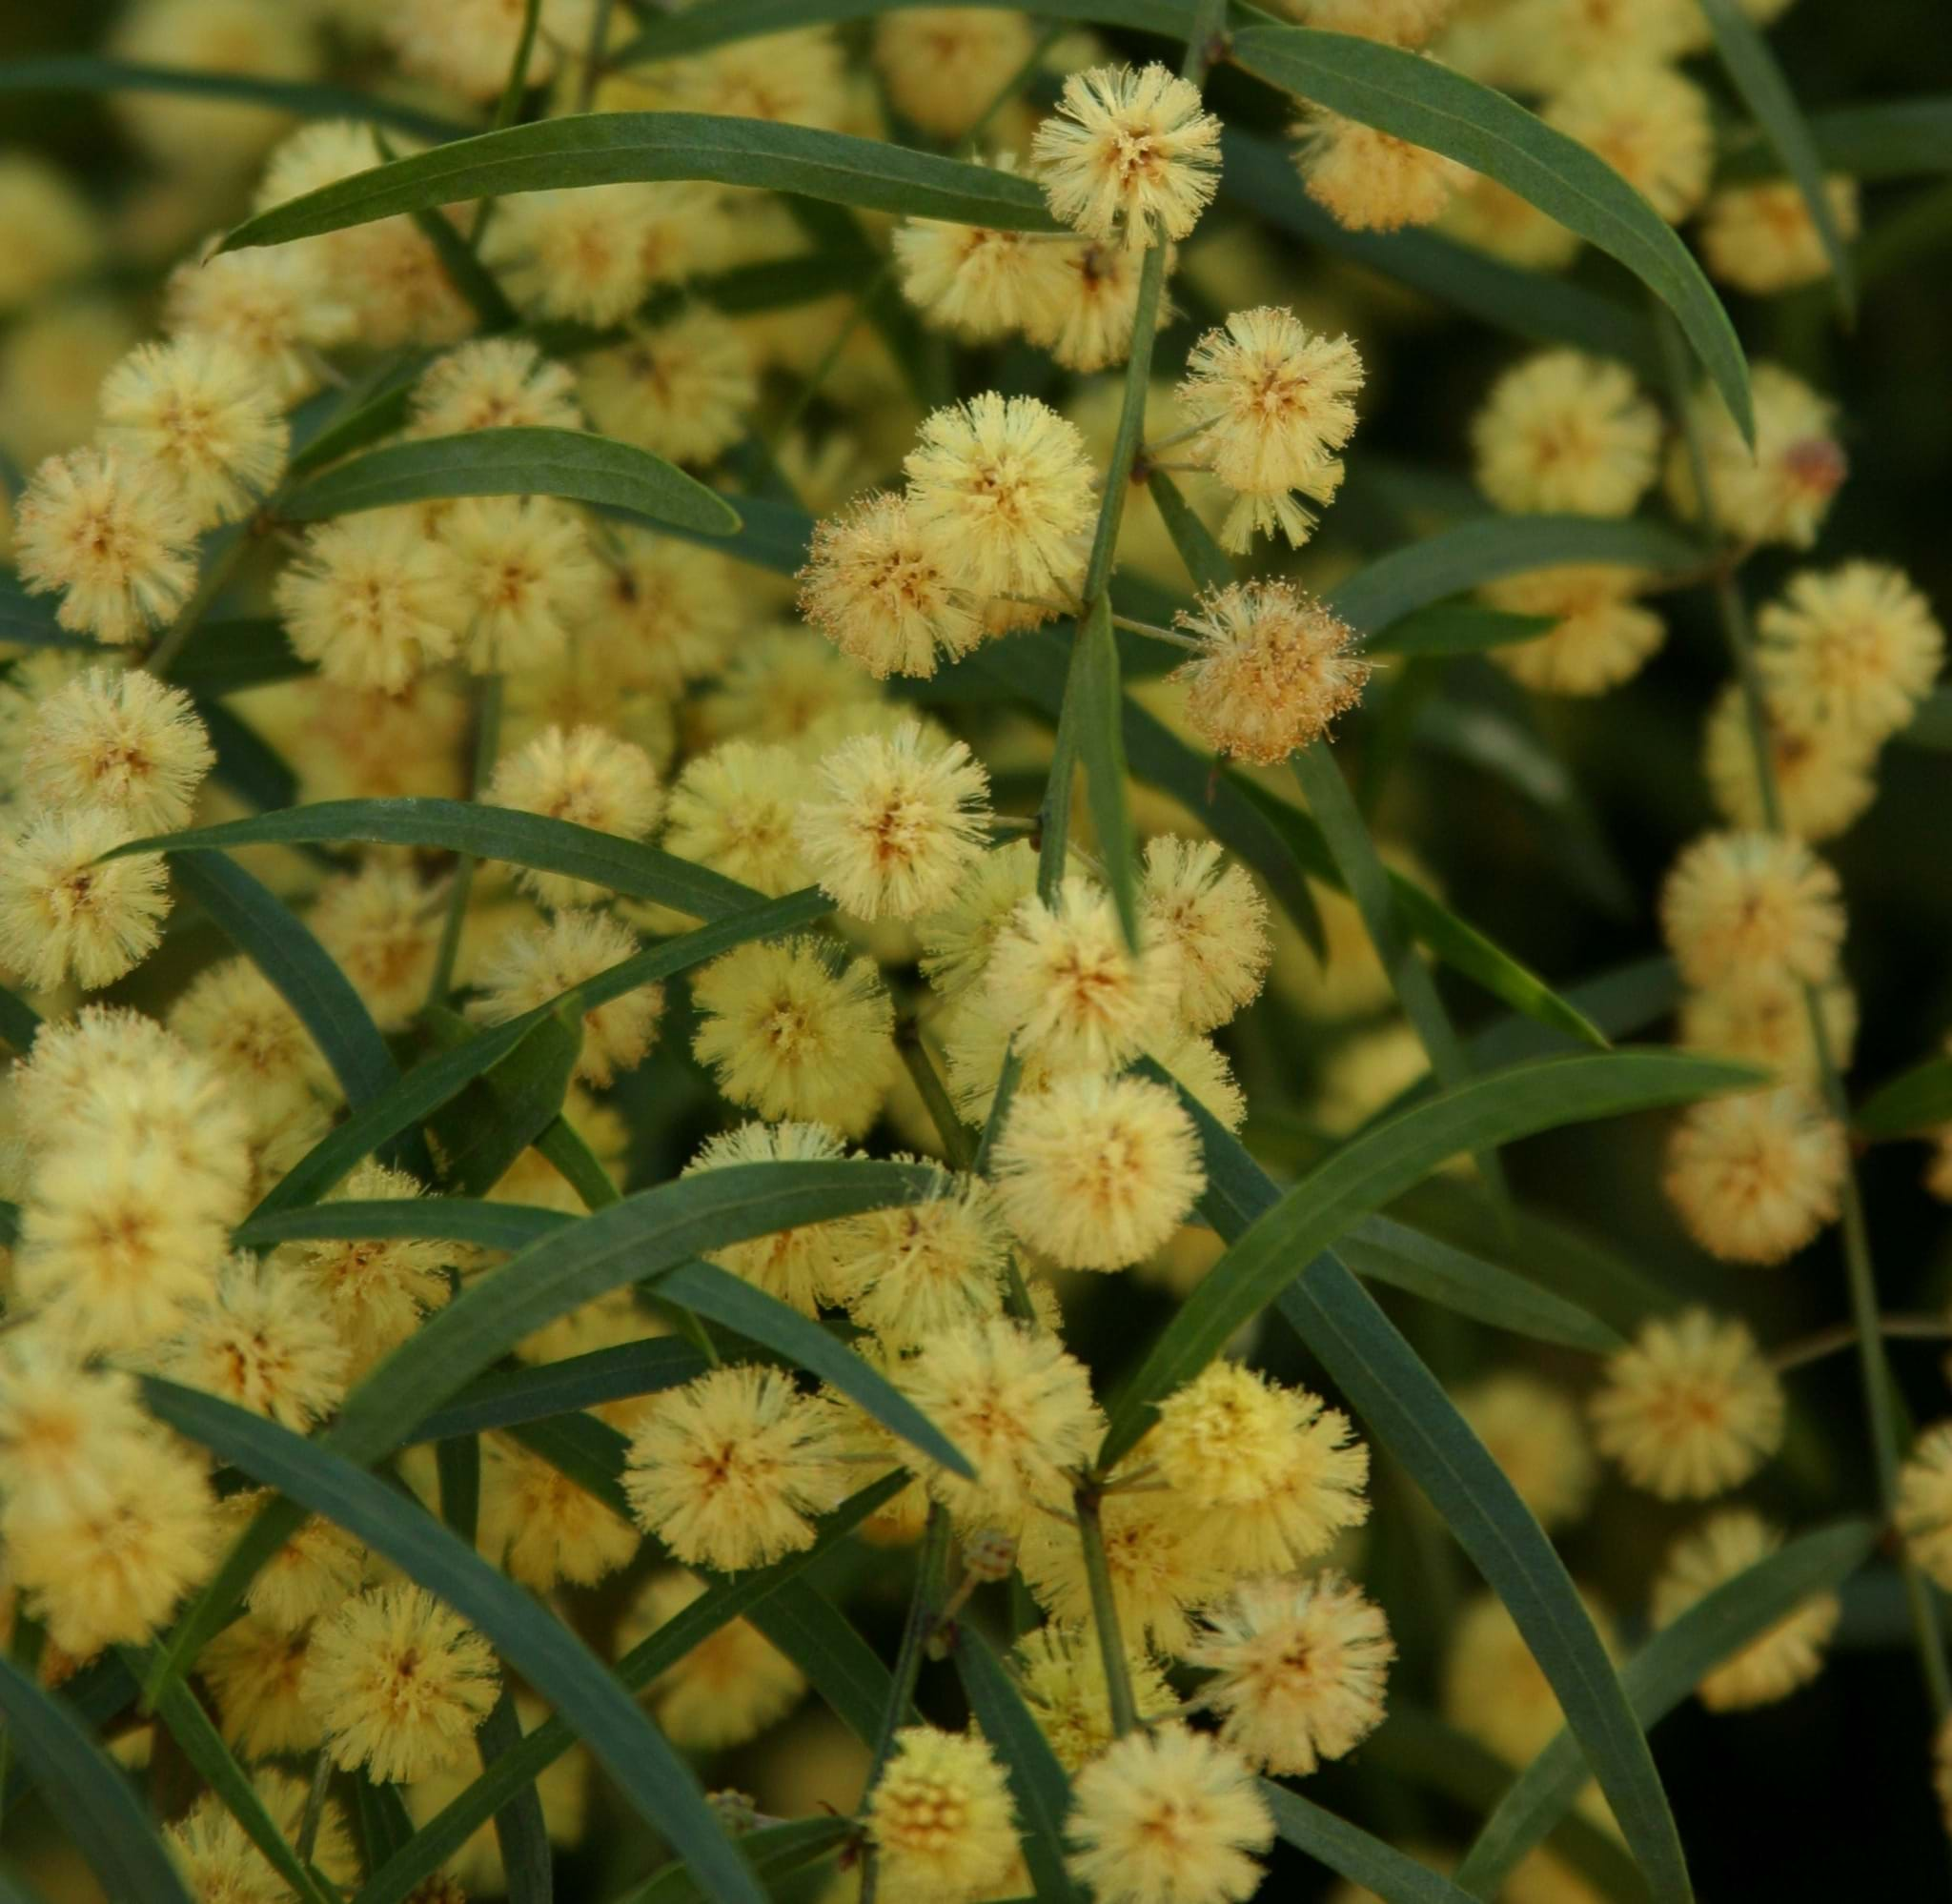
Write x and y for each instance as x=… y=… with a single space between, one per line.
x=535 y=964
x=1925 y=1502
x=1533 y=1430
x=255 y=1671
x=1016 y=1405
x=1403 y=23
x=100 y=526
x=1276 y=402
x=1690 y=1408
x=375 y=599
x=1274 y=671
x=493 y=383
x=1492 y=1687
x=377 y=1287
x=1061 y=1670
x=591 y=254
x=121 y=742
x=1001 y=490
x=1168 y=1818
x=382 y=928
x=665 y=613
x=1372 y=181
x=976 y=281
x=588 y=777
x=682 y=388
x=265 y=1341
x=273 y=309
x=320 y=1567
x=1767 y=1021
x=943 y=65
x=940 y=1817
x=795 y=1029
x=1300 y=1663
x=1776 y=1662
x=1264 y=1476
x=799 y=1265
x=1746 y=906
x=1856 y=648
x=726 y=1690
x=1126 y=151
x=912 y=1271
x=65 y=912
x=904 y=821
x=1214 y=916
x=467 y=45
x=873 y=587
x=1647 y=122
x=400 y=1682
x=1098 y=1172
x=732 y=809
x=1762 y=239
x=729 y=1471
x=204 y=419
x=1568 y=434
x=1062 y=977
x=65 y=1425
x=1779 y=492
x=527 y=578
x=1756 y=1177
x=1603 y=637
x=1825 y=776
x=1081 y=300
x=956 y=942
x=543 y=1529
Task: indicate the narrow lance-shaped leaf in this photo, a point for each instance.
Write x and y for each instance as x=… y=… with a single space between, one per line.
x=277 y=941
x=1768 y=94
x=432 y=1082
x=527 y=460
x=1352 y=1852
x=1428 y=104
x=500 y=1113
x=1037 y=1780
x=840 y=1665
x=698 y=28
x=1918 y=1102
x=1405 y=1408
x=775 y=1852
x=308 y=99
x=617 y=148
x=200 y=1742
x=506 y=1399
x=633 y=1241
x=1259 y=175
x=656 y=1782
x=1893 y=138
x=521 y=1834
x=725 y=1601
x=1658 y=1677
x=1380 y=1164
x=88 y=1792
x=481 y=832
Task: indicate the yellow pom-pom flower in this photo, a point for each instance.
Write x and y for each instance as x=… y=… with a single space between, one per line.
x=1647 y=122
x=1746 y=906
x=1924 y=1503
x=1778 y=1661
x=732 y=809
x=1274 y=402
x=399 y=1682
x=795 y=1030
x=203 y=420
x=1129 y=153
x=66 y=912
x=1782 y=489
x=1098 y=1172
x=904 y=820
x=588 y=777
x=800 y=1265
x=727 y=1689
x=120 y=742
x=729 y=1471
x=493 y=383
x=912 y=1271
x=1604 y=636
x=874 y=588
x=1533 y=1430
x=264 y=1341
x=1856 y=648
x=1372 y=181
x=1567 y=434
x=1300 y=1666
x=115 y=540
x=1756 y=1177
x=375 y=599
x=535 y=963
x=1000 y=491
x=1762 y=239
x=1690 y=1408
x=1168 y=1818
x=1274 y=671
x=940 y=1817
x=1215 y=919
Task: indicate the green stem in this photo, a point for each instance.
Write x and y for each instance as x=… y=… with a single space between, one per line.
x=1809 y=1349
x=315 y=1807
x=1118 y=1681
x=956 y=1143
x=929 y=1567
x=487 y=742
x=1881 y=1404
